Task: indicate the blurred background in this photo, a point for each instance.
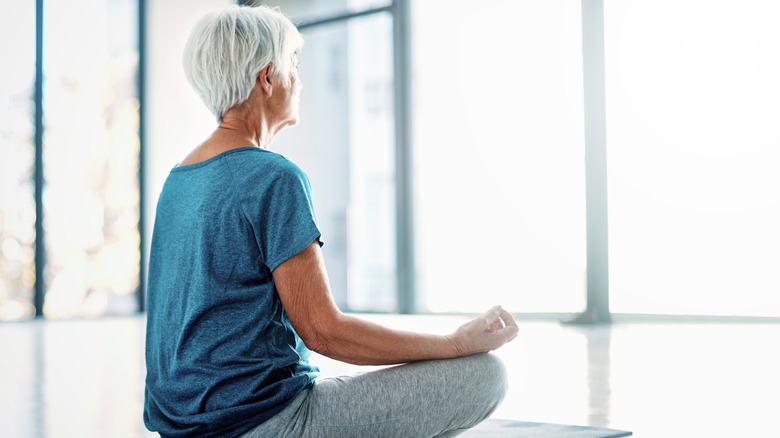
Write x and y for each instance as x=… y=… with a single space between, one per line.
x=446 y=144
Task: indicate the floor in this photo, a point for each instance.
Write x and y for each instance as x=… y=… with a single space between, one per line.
x=85 y=377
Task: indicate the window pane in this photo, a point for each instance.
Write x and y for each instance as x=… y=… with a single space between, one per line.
x=693 y=102
x=17 y=201
x=91 y=157
x=499 y=155
x=345 y=143
x=308 y=10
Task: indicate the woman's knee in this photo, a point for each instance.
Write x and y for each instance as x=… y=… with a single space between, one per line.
x=491 y=373
x=481 y=378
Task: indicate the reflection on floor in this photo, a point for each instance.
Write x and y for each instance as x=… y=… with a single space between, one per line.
x=85 y=378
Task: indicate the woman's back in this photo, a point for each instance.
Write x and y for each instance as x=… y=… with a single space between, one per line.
x=221 y=352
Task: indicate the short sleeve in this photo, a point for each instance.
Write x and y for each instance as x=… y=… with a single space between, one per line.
x=284 y=220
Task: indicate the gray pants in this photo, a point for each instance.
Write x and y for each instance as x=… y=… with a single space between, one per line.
x=438 y=398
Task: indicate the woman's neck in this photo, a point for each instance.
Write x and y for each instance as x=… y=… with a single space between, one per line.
x=227 y=136
x=251 y=128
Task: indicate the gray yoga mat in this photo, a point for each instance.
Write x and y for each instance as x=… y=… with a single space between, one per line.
x=520 y=429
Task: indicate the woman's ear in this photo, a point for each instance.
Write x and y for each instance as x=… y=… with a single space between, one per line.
x=264 y=80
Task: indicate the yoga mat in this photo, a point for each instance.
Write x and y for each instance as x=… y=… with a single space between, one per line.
x=491 y=428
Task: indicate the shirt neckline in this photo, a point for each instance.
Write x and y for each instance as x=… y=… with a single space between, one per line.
x=179 y=168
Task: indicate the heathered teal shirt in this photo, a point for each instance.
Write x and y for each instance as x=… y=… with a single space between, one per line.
x=221 y=354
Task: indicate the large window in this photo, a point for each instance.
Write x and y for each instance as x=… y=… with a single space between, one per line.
x=498 y=155
x=693 y=102
x=89 y=151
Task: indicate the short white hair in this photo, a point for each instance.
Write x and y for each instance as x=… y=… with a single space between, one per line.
x=227 y=50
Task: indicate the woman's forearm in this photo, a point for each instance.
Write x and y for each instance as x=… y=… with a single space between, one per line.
x=354 y=340
x=357 y=341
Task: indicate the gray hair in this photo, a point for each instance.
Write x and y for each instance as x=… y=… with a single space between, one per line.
x=227 y=50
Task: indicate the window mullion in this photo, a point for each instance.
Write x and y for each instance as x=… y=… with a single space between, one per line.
x=40 y=248
x=405 y=260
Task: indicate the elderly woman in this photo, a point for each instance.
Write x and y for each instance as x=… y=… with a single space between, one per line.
x=238 y=294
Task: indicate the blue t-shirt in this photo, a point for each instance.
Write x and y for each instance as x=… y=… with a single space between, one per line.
x=221 y=354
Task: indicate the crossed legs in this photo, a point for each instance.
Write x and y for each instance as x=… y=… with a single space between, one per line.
x=438 y=398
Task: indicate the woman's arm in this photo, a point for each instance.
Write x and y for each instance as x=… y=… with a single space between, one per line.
x=303 y=287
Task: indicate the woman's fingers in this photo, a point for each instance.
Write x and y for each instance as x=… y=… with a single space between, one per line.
x=510 y=325
x=489 y=331
x=498 y=318
x=503 y=326
x=491 y=315
x=507 y=317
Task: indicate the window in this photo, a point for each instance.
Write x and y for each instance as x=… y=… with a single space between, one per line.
x=499 y=155
x=90 y=149
x=694 y=147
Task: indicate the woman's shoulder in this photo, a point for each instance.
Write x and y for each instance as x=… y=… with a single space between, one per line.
x=254 y=164
x=254 y=156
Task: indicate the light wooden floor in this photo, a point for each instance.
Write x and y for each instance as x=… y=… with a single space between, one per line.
x=84 y=378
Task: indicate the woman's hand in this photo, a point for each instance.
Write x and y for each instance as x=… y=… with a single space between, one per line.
x=491 y=330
